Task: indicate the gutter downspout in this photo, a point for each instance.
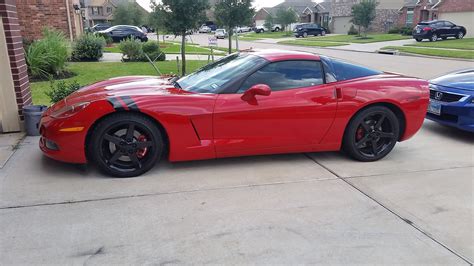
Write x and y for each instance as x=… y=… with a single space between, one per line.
x=69 y=20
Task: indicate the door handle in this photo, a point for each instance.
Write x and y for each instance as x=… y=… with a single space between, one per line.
x=338 y=93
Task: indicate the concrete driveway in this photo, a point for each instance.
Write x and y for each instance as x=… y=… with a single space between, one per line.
x=414 y=207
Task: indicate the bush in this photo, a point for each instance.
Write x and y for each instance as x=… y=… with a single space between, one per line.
x=108 y=40
x=61 y=90
x=394 y=30
x=401 y=30
x=152 y=49
x=353 y=31
x=47 y=56
x=88 y=48
x=134 y=50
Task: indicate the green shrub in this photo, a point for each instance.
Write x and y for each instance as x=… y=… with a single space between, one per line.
x=353 y=31
x=61 y=90
x=47 y=56
x=394 y=30
x=408 y=31
x=132 y=50
x=152 y=49
x=108 y=39
x=88 y=48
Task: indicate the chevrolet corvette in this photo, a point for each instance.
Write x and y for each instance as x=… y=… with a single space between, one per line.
x=248 y=103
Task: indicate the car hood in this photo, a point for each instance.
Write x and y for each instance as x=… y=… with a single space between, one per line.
x=463 y=80
x=135 y=86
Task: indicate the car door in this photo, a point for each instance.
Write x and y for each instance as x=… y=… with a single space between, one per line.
x=294 y=117
x=450 y=29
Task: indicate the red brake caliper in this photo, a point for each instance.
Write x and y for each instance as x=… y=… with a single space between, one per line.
x=141 y=152
x=359 y=133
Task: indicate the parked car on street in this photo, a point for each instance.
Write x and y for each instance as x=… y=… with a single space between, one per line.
x=275 y=28
x=242 y=29
x=452 y=100
x=204 y=29
x=248 y=103
x=433 y=30
x=307 y=29
x=220 y=34
x=121 y=32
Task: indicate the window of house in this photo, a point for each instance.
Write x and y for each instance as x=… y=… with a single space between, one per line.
x=410 y=12
x=286 y=75
x=109 y=10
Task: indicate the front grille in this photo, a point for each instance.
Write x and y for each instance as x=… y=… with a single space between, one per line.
x=444 y=96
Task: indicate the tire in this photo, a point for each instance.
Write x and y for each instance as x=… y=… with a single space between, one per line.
x=371 y=134
x=419 y=40
x=305 y=35
x=323 y=33
x=434 y=37
x=277 y=29
x=125 y=145
x=460 y=35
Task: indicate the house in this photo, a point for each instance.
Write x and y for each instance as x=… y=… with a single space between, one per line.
x=14 y=83
x=386 y=17
x=102 y=11
x=298 y=6
x=457 y=11
x=319 y=13
x=35 y=15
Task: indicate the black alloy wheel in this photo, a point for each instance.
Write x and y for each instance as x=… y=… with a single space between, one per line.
x=371 y=134
x=126 y=145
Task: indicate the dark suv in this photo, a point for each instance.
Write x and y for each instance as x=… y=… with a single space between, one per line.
x=433 y=30
x=304 y=30
x=121 y=32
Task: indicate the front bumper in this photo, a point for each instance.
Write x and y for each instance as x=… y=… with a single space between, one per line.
x=459 y=115
x=62 y=146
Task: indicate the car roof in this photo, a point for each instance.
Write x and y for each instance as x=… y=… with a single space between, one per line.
x=279 y=55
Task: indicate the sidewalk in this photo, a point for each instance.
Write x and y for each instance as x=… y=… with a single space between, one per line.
x=117 y=57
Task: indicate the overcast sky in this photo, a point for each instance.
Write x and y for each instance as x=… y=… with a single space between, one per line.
x=258 y=3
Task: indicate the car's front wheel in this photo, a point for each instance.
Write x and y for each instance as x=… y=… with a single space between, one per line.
x=125 y=145
x=460 y=35
x=305 y=35
x=371 y=134
x=323 y=33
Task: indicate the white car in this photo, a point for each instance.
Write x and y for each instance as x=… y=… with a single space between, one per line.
x=220 y=34
x=276 y=27
x=204 y=29
x=242 y=29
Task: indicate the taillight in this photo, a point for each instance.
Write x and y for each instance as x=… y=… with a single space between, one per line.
x=427 y=29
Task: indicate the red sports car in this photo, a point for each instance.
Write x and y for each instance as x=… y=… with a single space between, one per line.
x=248 y=103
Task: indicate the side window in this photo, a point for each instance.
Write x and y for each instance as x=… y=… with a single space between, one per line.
x=448 y=24
x=329 y=73
x=286 y=75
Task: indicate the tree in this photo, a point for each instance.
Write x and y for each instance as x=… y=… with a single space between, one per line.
x=128 y=14
x=269 y=22
x=180 y=16
x=233 y=13
x=363 y=14
x=285 y=17
x=156 y=18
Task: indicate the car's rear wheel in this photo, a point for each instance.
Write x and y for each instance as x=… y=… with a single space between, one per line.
x=460 y=35
x=371 y=134
x=126 y=145
x=419 y=40
x=434 y=37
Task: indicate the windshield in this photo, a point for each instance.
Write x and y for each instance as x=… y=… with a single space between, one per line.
x=213 y=77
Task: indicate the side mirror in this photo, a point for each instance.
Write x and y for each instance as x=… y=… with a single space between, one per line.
x=259 y=89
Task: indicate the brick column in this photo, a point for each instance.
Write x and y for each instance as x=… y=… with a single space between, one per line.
x=8 y=13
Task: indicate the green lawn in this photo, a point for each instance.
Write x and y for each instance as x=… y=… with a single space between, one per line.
x=90 y=72
x=265 y=35
x=169 y=48
x=355 y=39
x=467 y=54
x=313 y=43
x=464 y=44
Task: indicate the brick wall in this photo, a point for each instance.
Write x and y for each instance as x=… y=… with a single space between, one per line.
x=8 y=12
x=456 y=6
x=34 y=15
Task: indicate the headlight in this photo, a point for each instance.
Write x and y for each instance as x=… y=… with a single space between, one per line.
x=70 y=110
